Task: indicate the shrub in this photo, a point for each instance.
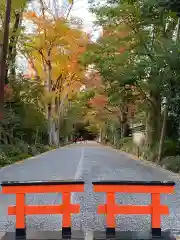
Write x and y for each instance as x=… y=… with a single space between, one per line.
x=172 y=163
x=126 y=144
x=10 y=150
x=19 y=157
x=170 y=148
x=51 y=147
x=10 y=154
x=23 y=147
x=42 y=148
x=4 y=160
x=32 y=150
x=150 y=154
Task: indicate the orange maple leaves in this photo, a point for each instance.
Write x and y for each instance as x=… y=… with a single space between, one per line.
x=7 y=92
x=56 y=41
x=120 y=33
x=99 y=101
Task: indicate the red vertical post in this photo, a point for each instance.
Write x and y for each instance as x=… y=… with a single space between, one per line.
x=66 y=218
x=20 y=215
x=156 y=215
x=110 y=219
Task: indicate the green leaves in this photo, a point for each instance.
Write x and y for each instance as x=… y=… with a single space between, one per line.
x=172 y=5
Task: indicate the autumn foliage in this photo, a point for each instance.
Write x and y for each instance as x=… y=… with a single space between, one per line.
x=59 y=46
x=7 y=92
x=99 y=101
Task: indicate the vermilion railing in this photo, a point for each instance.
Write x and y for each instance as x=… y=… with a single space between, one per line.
x=155 y=209
x=21 y=209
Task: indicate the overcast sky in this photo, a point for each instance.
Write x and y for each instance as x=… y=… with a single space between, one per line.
x=80 y=9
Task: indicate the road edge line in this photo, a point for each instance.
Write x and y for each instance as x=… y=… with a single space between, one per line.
x=78 y=171
x=79 y=164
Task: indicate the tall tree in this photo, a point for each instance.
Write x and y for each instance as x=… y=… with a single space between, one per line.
x=136 y=49
x=54 y=50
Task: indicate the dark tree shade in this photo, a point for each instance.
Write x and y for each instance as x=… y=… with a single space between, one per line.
x=172 y=5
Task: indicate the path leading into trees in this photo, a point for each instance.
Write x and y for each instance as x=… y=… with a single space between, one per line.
x=90 y=162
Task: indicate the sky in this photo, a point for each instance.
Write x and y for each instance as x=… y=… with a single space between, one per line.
x=80 y=9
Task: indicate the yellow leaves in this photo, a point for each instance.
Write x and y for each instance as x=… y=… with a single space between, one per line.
x=30 y=15
x=59 y=45
x=48 y=97
x=70 y=1
x=15 y=5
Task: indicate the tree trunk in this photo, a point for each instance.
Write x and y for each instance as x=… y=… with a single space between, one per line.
x=54 y=135
x=54 y=124
x=51 y=123
x=124 y=124
x=153 y=127
x=12 y=45
x=163 y=131
x=36 y=136
x=3 y=56
x=49 y=118
x=100 y=135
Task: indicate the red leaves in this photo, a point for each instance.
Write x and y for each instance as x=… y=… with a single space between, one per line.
x=93 y=80
x=7 y=92
x=121 y=33
x=122 y=49
x=106 y=33
x=30 y=14
x=99 y=101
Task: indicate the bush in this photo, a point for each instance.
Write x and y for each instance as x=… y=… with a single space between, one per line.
x=32 y=150
x=150 y=154
x=10 y=150
x=170 y=148
x=24 y=147
x=126 y=144
x=42 y=148
x=19 y=157
x=51 y=147
x=4 y=160
x=12 y=153
x=172 y=163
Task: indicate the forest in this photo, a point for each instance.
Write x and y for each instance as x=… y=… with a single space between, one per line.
x=124 y=83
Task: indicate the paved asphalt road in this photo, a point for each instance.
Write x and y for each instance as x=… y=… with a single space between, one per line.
x=88 y=162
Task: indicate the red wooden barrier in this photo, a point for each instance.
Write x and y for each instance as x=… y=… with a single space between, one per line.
x=155 y=209
x=21 y=209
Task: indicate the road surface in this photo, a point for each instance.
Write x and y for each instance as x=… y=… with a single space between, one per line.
x=89 y=162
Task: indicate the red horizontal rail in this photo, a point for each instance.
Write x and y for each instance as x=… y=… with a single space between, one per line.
x=130 y=209
x=133 y=189
x=43 y=189
x=46 y=209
